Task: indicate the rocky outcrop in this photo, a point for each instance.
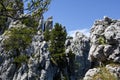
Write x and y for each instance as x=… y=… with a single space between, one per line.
x=105 y=40
x=39 y=65
x=43 y=25
x=49 y=23
x=80 y=47
x=104 y=46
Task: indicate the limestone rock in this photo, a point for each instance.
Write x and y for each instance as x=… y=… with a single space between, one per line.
x=105 y=33
x=80 y=47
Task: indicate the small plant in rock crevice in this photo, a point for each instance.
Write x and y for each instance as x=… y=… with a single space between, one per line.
x=101 y=40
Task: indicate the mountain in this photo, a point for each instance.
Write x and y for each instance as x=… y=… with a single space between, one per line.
x=87 y=58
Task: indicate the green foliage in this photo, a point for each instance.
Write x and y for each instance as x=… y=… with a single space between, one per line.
x=57 y=48
x=18 y=38
x=2 y=23
x=59 y=59
x=35 y=7
x=58 y=37
x=7 y=10
x=104 y=74
x=20 y=59
x=101 y=40
x=47 y=35
x=30 y=21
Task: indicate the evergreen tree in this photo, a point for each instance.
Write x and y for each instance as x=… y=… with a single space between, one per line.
x=47 y=35
x=11 y=9
x=18 y=39
x=36 y=7
x=58 y=37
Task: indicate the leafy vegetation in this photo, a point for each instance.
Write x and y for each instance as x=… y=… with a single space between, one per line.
x=104 y=74
x=11 y=9
x=57 y=47
x=30 y=21
x=2 y=23
x=101 y=40
x=47 y=35
x=20 y=59
x=58 y=37
x=34 y=7
x=59 y=60
x=18 y=38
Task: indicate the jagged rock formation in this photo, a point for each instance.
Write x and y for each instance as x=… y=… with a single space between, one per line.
x=105 y=41
x=105 y=48
x=80 y=47
x=39 y=65
x=48 y=24
x=102 y=46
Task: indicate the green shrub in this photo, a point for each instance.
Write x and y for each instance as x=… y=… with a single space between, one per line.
x=101 y=40
x=47 y=35
x=20 y=59
x=30 y=22
x=2 y=23
x=18 y=38
x=59 y=60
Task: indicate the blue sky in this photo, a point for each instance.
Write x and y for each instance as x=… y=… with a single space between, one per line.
x=79 y=15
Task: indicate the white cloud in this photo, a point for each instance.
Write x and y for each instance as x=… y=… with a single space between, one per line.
x=84 y=31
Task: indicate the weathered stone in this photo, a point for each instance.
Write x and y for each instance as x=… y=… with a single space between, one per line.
x=111 y=39
x=90 y=73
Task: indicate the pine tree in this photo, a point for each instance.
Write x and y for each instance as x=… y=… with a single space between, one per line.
x=58 y=37
x=47 y=35
x=19 y=39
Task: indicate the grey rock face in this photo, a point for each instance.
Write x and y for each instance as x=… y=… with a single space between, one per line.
x=43 y=25
x=80 y=47
x=38 y=62
x=105 y=40
x=49 y=23
x=105 y=48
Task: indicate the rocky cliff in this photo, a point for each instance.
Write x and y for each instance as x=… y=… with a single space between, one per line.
x=38 y=65
x=104 y=47
x=92 y=57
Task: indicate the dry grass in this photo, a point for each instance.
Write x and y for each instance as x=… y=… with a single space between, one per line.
x=104 y=74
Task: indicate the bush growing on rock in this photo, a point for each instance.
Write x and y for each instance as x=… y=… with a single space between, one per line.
x=28 y=20
x=101 y=40
x=20 y=59
x=18 y=38
x=47 y=35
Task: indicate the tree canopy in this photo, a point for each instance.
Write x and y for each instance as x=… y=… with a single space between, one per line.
x=18 y=38
x=10 y=8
